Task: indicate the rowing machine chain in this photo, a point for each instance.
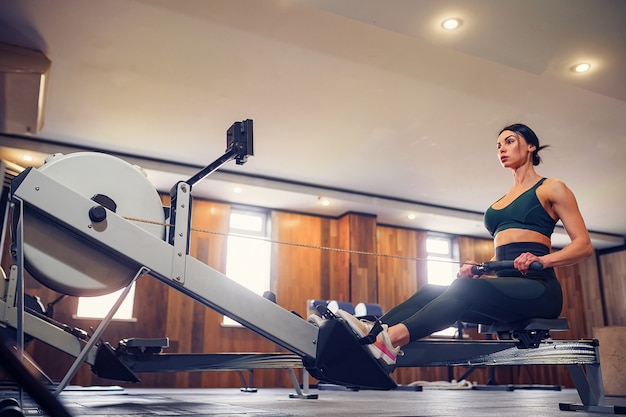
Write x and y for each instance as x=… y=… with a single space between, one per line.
x=301 y=245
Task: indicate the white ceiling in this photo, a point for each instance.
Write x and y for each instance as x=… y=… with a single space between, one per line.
x=366 y=102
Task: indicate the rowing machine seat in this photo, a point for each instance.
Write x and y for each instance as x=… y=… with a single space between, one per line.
x=530 y=332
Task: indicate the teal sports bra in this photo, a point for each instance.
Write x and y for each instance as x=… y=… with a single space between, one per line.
x=525 y=212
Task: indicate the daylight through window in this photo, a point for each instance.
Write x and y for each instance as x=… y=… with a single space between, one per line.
x=248 y=252
x=98 y=307
x=442 y=261
x=442 y=265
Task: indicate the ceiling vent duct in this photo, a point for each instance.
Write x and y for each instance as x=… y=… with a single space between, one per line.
x=23 y=79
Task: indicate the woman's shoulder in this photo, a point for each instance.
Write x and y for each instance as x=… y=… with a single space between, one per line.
x=549 y=182
x=554 y=183
x=554 y=188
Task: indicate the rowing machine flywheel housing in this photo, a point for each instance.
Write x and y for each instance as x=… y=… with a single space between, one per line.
x=57 y=256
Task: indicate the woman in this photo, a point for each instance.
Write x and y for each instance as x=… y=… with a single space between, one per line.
x=521 y=223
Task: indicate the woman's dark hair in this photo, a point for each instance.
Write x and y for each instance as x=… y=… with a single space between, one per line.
x=530 y=137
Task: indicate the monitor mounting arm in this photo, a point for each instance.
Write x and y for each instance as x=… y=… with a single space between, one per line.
x=239 y=145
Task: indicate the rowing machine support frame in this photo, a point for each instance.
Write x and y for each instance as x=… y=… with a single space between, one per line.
x=118 y=240
x=126 y=243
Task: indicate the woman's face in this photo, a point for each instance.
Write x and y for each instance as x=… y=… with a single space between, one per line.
x=513 y=150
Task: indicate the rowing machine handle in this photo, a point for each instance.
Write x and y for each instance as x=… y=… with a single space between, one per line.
x=495 y=266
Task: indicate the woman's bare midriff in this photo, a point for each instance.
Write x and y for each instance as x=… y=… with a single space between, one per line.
x=520 y=235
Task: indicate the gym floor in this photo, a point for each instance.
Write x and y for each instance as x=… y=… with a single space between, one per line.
x=117 y=401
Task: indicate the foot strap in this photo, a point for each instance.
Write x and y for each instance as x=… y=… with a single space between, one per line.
x=371 y=337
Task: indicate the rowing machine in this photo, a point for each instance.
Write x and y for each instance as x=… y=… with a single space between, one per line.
x=74 y=234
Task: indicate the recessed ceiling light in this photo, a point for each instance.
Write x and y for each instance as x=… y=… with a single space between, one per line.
x=237 y=190
x=582 y=67
x=452 y=23
x=27 y=158
x=324 y=201
x=411 y=216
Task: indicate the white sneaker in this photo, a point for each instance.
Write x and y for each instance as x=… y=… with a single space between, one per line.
x=382 y=348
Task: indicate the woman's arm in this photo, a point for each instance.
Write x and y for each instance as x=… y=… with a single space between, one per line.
x=563 y=204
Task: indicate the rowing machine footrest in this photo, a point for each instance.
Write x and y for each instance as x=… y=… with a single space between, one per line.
x=108 y=365
x=138 y=346
x=341 y=359
x=530 y=333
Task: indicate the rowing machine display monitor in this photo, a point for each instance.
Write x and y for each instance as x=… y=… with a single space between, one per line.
x=239 y=139
x=239 y=145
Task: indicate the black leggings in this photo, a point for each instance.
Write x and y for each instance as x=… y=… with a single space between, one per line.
x=509 y=297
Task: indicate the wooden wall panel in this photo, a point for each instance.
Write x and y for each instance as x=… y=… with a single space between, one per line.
x=335 y=284
x=340 y=290
x=400 y=277
x=475 y=250
x=581 y=304
x=361 y=237
x=397 y=277
x=613 y=269
x=308 y=272
x=296 y=269
x=592 y=302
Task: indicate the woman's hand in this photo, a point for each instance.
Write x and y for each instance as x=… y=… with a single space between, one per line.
x=466 y=270
x=522 y=262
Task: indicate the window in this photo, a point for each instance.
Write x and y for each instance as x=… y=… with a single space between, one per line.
x=98 y=307
x=442 y=261
x=248 y=252
x=442 y=267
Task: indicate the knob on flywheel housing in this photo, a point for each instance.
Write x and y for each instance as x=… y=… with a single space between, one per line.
x=97 y=214
x=69 y=264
